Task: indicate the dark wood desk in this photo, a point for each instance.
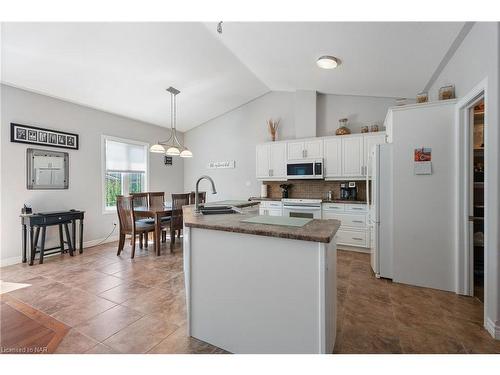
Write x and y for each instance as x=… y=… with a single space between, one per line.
x=41 y=221
x=156 y=212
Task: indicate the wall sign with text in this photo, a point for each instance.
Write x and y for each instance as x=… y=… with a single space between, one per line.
x=43 y=137
x=230 y=164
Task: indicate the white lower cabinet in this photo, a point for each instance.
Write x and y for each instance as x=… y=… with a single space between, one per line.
x=353 y=229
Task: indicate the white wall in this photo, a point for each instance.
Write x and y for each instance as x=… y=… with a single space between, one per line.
x=234 y=135
x=85 y=164
x=477 y=58
x=360 y=110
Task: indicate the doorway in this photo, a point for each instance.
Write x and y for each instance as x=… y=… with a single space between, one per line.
x=476 y=197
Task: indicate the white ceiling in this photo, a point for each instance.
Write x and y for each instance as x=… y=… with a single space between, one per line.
x=124 y=68
x=378 y=58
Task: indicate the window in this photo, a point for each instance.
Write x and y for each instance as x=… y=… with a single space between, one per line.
x=125 y=169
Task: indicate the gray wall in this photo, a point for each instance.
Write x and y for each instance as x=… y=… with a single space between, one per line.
x=234 y=135
x=477 y=58
x=360 y=110
x=85 y=164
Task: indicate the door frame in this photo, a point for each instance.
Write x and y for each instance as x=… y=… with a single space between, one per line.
x=464 y=281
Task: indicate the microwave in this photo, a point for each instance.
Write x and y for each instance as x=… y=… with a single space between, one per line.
x=305 y=169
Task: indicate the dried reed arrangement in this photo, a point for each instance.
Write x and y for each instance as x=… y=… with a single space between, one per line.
x=273 y=128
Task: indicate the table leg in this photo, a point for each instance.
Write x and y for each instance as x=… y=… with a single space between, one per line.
x=24 y=231
x=42 y=245
x=81 y=236
x=32 y=250
x=68 y=237
x=73 y=233
x=157 y=233
x=61 y=239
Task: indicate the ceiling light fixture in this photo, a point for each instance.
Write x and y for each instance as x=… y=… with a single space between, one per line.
x=328 y=62
x=172 y=146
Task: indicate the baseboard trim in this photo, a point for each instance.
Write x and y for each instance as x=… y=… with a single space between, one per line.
x=16 y=260
x=10 y=261
x=492 y=328
x=100 y=241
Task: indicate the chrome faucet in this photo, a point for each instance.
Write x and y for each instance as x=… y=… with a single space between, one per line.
x=196 y=198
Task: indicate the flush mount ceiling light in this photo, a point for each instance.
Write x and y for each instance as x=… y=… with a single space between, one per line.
x=328 y=62
x=172 y=146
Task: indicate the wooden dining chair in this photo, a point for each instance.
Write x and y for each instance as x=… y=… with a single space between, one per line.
x=176 y=222
x=156 y=198
x=128 y=223
x=202 y=197
x=142 y=200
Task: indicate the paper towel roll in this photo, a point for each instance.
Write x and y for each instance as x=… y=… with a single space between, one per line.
x=263 y=191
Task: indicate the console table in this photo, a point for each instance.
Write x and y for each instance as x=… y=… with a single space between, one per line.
x=40 y=221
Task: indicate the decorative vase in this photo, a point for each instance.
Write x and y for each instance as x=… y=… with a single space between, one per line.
x=342 y=129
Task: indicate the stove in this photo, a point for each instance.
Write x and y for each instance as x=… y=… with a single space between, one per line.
x=305 y=208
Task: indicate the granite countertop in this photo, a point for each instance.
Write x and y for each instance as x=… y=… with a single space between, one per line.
x=323 y=200
x=235 y=203
x=316 y=230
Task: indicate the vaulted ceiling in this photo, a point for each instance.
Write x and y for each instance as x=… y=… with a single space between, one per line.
x=124 y=68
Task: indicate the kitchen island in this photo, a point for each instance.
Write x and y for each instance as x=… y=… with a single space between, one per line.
x=261 y=288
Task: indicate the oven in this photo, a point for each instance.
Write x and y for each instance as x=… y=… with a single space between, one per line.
x=305 y=208
x=304 y=169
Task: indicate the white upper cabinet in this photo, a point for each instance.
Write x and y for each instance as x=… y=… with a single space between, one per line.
x=295 y=150
x=352 y=156
x=278 y=160
x=333 y=157
x=313 y=149
x=308 y=149
x=263 y=160
x=369 y=142
x=271 y=161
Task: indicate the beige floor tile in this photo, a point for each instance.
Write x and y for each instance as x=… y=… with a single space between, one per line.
x=141 y=336
x=180 y=343
x=75 y=343
x=106 y=324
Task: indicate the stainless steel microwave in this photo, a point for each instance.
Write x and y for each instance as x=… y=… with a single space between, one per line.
x=304 y=169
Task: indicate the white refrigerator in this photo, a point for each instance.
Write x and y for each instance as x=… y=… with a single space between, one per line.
x=380 y=213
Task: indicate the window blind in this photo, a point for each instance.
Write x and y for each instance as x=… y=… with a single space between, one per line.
x=125 y=157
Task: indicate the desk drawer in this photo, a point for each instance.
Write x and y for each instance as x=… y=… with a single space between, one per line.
x=52 y=220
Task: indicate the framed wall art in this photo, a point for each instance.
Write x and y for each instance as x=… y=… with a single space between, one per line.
x=43 y=137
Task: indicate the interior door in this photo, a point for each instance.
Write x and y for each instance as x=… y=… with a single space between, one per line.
x=333 y=157
x=277 y=159
x=352 y=156
x=262 y=161
x=313 y=149
x=295 y=150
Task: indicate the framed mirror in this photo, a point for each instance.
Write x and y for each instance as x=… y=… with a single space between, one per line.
x=47 y=169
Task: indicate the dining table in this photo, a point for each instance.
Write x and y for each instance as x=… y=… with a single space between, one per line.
x=156 y=212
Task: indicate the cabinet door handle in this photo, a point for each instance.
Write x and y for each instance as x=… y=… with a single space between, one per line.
x=305 y=153
x=357 y=221
x=357 y=208
x=357 y=239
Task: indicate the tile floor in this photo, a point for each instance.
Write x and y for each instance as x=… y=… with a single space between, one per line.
x=379 y=316
x=117 y=305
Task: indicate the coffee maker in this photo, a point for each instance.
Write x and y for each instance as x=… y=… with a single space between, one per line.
x=348 y=191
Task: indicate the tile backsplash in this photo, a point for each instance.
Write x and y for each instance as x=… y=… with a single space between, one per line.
x=312 y=189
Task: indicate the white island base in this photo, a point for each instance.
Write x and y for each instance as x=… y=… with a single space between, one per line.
x=257 y=294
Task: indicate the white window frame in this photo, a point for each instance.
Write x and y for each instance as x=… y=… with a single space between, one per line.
x=104 y=138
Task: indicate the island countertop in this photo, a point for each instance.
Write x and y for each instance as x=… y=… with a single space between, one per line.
x=316 y=230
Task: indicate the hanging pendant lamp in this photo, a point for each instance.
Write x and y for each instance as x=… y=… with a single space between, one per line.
x=172 y=146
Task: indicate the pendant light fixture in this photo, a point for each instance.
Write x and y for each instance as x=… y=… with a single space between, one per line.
x=172 y=146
